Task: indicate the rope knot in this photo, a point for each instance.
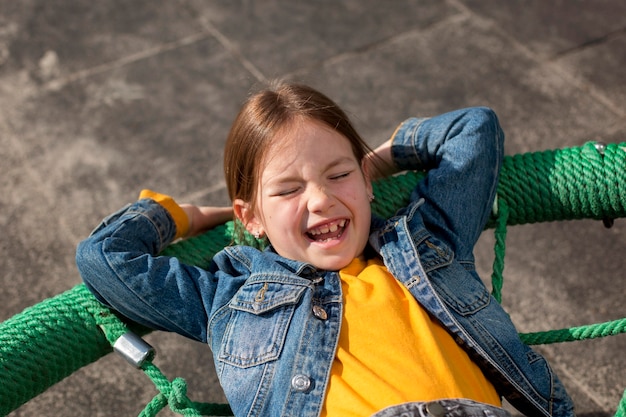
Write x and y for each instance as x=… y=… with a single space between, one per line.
x=177 y=397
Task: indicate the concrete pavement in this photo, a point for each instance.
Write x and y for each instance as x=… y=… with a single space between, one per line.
x=101 y=99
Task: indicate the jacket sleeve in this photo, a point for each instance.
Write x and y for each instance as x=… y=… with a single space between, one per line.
x=462 y=152
x=120 y=265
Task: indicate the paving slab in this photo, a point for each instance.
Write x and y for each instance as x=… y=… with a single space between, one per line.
x=99 y=100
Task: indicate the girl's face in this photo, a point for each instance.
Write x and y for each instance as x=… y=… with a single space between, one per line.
x=313 y=199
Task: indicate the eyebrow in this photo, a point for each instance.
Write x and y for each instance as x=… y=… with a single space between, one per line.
x=338 y=161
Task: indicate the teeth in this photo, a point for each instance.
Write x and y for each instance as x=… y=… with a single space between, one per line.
x=333 y=227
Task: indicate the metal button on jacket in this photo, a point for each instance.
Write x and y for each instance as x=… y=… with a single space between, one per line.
x=436 y=410
x=319 y=312
x=301 y=383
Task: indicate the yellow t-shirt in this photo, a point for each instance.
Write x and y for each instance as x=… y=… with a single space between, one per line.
x=391 y=351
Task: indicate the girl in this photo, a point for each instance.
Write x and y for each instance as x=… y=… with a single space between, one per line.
x=344 y=314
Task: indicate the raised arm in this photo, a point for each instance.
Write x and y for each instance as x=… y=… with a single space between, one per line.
x=462 y=152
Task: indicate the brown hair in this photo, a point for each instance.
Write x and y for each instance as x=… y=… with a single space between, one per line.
x=259 y=121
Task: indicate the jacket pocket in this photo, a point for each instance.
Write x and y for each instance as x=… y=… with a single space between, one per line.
x=261 y=312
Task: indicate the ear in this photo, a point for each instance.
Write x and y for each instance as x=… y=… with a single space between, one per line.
x=245 y=214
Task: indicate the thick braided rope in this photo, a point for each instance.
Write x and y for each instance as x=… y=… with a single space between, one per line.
x=46 y=343
x=52 y=339
x=565 y=184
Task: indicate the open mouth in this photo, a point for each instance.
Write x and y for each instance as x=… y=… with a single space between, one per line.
x=328 y=231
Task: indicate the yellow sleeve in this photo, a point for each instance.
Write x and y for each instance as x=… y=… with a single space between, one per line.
x=177 y=213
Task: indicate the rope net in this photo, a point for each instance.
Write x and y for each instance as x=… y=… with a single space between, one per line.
x=586 y=182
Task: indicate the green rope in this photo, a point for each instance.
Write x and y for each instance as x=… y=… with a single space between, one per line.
x=564 y=184
x=590 y=331
x=47 y=342
x=174 y=394
x=497 y=279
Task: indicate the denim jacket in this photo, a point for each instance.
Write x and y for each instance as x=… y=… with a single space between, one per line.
x=273 y=324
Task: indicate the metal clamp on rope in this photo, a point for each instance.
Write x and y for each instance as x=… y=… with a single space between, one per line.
x=134 y=349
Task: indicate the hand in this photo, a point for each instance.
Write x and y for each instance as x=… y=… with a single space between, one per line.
x=203 y=218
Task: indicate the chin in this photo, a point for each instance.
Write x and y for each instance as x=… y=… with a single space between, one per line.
x=332 y=265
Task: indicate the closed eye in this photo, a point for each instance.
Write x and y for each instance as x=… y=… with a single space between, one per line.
x=341 y=175
x=284 y=193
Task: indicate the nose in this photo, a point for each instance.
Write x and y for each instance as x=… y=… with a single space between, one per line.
x=319 y=199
